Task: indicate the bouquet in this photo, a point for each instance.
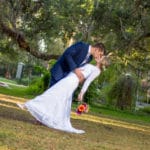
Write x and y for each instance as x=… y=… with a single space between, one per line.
x=82 y=108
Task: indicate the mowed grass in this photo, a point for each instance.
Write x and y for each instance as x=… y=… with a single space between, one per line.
x=18 y=131
x=96 y=110
x=14 y=90
x=105 y=128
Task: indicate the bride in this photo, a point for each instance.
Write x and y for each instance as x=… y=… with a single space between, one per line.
x=53 y=107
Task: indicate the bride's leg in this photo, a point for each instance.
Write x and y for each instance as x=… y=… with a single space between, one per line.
x=21 y=105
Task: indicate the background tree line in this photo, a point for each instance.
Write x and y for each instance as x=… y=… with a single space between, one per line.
x=35 y=31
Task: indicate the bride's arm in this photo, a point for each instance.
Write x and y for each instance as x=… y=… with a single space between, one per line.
x=87 y=82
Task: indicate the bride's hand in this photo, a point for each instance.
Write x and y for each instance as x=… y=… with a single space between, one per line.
x=98 y=59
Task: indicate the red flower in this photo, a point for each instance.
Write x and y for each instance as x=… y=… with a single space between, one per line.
x=82 y=108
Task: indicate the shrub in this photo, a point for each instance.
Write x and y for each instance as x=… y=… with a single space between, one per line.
x=146 y=109
x=122 y=92
x=39 y=85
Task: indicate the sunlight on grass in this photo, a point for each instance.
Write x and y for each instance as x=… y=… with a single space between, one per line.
x=87 y=117
x=4 y=147
x=107 y=121
x=11 y=99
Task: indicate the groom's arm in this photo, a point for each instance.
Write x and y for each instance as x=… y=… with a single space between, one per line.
x=69 y=55
x=79 y=74
x=73 y=54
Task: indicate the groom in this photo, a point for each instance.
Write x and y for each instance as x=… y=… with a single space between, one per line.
x=75 y=56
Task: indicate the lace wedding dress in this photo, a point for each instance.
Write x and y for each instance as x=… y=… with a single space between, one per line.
x=53 y=107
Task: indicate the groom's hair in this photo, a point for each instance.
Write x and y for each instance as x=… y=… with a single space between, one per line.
x=100 y=46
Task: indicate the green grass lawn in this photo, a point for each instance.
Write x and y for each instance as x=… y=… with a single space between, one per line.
x=94 y=109
x=132 y=116
x=15 y=91
x=19 y=132
x=7 y=80
x=106 y=128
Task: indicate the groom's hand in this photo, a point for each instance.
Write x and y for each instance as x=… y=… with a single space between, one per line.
x=79 y=74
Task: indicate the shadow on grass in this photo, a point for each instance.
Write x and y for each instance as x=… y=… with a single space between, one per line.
x=16 y=114
x=10 y=111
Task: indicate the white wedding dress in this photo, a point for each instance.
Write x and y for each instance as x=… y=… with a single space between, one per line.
x=53 y=107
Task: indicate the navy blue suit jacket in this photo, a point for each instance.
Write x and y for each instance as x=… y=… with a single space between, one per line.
x=71 y=59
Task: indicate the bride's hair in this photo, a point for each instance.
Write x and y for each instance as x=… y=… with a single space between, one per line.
x=104 y=62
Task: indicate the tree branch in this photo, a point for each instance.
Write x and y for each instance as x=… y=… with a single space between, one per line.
x=23 y=44
x=136 y=41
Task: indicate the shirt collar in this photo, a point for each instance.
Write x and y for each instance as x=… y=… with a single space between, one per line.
x=89 y=50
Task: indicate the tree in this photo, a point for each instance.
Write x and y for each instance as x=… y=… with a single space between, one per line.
x=122 y=25
x=122 y=92
x=28 y=22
